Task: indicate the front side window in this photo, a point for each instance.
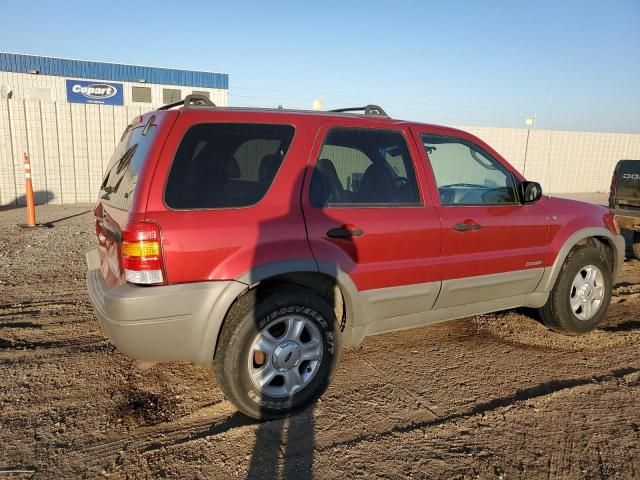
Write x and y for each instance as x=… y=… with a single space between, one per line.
x=466 y=174
x=364 y=167
x=226 y=165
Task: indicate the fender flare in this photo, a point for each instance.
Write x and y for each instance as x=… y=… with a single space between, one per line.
x=263 y=272
x=353 y=332
x=616 y=242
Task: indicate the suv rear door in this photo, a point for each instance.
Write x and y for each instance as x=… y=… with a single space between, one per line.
x=368 y=214
x=493 y=246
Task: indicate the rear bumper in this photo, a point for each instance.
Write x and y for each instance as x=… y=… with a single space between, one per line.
x=628 y=218
x=161 y=323
x=629 y=223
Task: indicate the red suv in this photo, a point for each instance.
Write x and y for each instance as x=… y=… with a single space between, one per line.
x=266 y=240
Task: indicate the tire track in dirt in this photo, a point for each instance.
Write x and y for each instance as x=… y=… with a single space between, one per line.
x=153 y=439
x=12 y=324
x=155 y=436
x=78 y=345
x=37 y=303
x=39 y=314
x=541 y=390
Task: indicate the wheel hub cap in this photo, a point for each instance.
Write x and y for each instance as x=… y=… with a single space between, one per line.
x=286 y=355
x=587 y=292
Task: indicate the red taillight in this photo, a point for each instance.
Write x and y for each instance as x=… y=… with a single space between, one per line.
x=142 y=253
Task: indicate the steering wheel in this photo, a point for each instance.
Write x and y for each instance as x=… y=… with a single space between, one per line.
x=401 y=188
x=447 y=195
x=497 y=195
x=464 y=185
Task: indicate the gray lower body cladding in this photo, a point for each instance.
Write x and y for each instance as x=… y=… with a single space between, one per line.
x=162 y=323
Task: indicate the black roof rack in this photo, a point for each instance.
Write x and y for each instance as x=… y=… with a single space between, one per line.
x=367 y=109
x=193 y=100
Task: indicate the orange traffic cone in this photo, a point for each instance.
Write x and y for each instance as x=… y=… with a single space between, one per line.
x=31 y=207
x=31 y=204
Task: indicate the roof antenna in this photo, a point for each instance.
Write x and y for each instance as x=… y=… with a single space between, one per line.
x=530 y=122
x=549 y=149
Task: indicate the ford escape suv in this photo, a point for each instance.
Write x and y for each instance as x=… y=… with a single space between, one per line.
x=264 y=241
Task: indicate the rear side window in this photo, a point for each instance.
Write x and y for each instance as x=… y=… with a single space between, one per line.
x=226 y=165
x=364 y=167
x=119 y=182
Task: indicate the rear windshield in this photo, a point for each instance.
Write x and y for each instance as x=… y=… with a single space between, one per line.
x=226 y=165
x=628 y=183
x=121 y=176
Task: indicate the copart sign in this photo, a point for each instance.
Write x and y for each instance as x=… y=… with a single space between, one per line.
x=83 y=91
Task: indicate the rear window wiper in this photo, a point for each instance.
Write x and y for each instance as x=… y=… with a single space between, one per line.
x=108 y=190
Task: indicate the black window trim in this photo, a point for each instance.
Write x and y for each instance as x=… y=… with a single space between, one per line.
x=501 y=167
x=202 y=209
x=418 y=204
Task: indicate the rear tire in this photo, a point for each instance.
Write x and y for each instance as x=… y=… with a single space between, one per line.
x=581 y=294
x=636 y=244
x=277 y=352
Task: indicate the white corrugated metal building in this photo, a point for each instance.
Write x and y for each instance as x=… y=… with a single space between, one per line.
x=50 y=79
x=68 y=115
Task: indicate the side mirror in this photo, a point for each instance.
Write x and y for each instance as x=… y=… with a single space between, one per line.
x=530 y=192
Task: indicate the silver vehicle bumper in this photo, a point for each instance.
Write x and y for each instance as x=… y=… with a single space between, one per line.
x=161 y=323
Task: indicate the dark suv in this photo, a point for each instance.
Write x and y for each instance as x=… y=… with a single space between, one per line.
x=266 y=240
x=624 y=199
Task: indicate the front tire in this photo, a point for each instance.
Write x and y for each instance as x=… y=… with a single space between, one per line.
x=581 y=294
x=277 y=352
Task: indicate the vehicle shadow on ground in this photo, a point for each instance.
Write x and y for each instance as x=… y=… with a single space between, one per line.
x=284 y=448
x=622 y=327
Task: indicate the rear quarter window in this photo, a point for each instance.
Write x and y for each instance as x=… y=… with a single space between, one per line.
x=226 y=165
x=121 y=177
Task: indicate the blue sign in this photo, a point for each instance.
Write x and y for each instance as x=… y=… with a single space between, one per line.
x=83 y=91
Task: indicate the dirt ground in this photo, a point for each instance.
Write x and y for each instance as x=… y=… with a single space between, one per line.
x=494 y=396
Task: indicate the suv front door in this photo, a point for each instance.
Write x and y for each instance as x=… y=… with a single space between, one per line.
x=368 y=215
x=493 y=245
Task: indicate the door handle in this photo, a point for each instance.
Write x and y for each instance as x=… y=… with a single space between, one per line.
x=463 y=227
x=345 y=231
